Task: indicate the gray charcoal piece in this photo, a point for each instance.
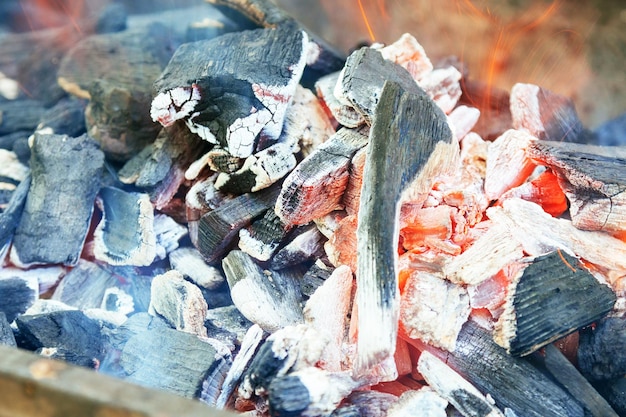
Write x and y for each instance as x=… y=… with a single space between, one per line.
x=6 y=333
x=307 y=244
x=85 y=285
x=10 y=217
x=261 y=239
x=179 y=302
x=346 y=115
x=170 y=360
x=17 y=294
x=22 y=114
x=218 y=88
x=125 y=234
x=66 y=117
x=67 y=334
x=614 y=391
x=189 y=262
x=65 y=180
x=600 y=349
x=227 y=321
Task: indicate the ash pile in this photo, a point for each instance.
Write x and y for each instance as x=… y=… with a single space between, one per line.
x=232 y=211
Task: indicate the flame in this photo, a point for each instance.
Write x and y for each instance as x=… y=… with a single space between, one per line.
x=366 y=21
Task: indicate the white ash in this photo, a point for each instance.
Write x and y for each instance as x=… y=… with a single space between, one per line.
x=255 y=247
x=44 y=306
x=117 y=300
x=189 y=262
x=444 y=87
x=200 y=130
x=424 y=403
x=462 y=119
x=174 y=104
x=408 y=53
x=168 y=233
x=114 y=318
x=196 y=167
x=9 y=88
x=10 y=166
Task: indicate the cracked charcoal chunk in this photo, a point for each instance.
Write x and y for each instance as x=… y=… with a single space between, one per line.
x=217 y=87
x=65 y=180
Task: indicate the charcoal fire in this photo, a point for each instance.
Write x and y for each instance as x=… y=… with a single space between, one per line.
x=244 y=217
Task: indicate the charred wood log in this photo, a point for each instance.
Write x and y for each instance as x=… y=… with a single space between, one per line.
x=600 y=353
x=261 y=239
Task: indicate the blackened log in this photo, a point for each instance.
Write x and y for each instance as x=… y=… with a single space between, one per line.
x=69 y=334
x=216 y=86
x=18 y=294
x=549 y=299
x=410 y=142
x=270 y=299
x=22 y=114
x=307 y=244
x=218 y=228
x=261 y=239
x=167 y=359
x=6 y=333
x=10 y=216
x=546 y=115
x=65 y=180
x=315 y=187
x=115 y=71
x=512 y=382
x=85 y=285
x=576 y=384
x=125 y=234
x=600 y=350
x=592 y=177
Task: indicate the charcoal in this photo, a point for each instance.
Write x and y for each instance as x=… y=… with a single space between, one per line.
x=270 y=299
x=314 y=188
x=512 y=382
x=425 y=403
x=558 y=283
x=169 y=360
x=6 y=333
x=111 y=19
x=372 y=403
x=612 y=132
x=21 y=148
x=344 y=114
x=10 y=216
x=75 y=337
x=18 y=115
x=214 y=380
x=218 y=228
x=18 y=294
x=227 y=323
x=600 y=350
x=179 y=302
x=307 y=244
x=102 y=68
x=410 y=143
x=135 y=282
x=313 y=278
x=46 y=306
x=8 y=141
x=66 y=117
x=615 y=393
x=189 y=262
x=65 y=179
x=261 y=239
x=125 y=234
x=214 y=84
x=168 y=233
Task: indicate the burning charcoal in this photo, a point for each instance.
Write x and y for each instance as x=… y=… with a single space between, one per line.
x=544 y=114
x=125 y=235
x=102 y=68
x=216 y=86
x=20 y=114
x=179 y=302
x=310 y=391
x=18 y=294
x=593 y=179
x=65 y=180
x=451 y=386
x=544 y=190
x=67 y=117
x=557 y=283
x=433 y=310
x=263 y=236
x=314 y=188
x=249 y=346
x=361 y=81
x=568 y=376
x=258 y=171
x=308 y=244
x=189 y=262
x=352 y=195
x=512 y=382
x=66 y=334
x=85 y=285
x=270 y=299
x=170 y=360
x=463 y=118
x=600 y=351
x=344 y=114
x=218 y=228
x=443 y=86
x=425 y=403
x=410 y=144
x=6 y=333
x=408 y=53
x=508 y=165
x=10 y=216
x=493 y=103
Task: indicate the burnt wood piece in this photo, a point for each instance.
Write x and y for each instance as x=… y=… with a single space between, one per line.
x=512 y=382
x=451 y=386
x=189 y=262
x=67 y=334
x=576 y=384
x=227 y=324
x=592 y=177
x=615 y=393
x=360 y=84
x=168 y=359
x=115 y=72
x=125 y=234
x=549 y=299
x=270 y=299
x=10 y=216
x=314 y=278
x=372 y=403
x=546 y=115
x=6 y=333
x=20 y=114
x=8 y=141
x=306 y=243
x=218 y=228
x=344 y=114
x=217 y=88
x=65 y=180
x=85 y=285
x=261 y=239
x=18 y=294
x=600 y=349
x=315 y=187
x=219 y=160
x=179 y=302
x=66 y=117
x=493 y=104
x=409 y=143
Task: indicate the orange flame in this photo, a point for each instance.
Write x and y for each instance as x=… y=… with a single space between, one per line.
x=366 y=21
